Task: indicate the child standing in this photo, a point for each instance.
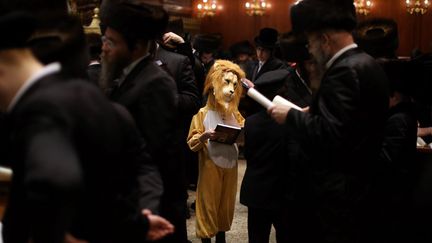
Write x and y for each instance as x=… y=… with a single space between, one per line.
x=217 y=180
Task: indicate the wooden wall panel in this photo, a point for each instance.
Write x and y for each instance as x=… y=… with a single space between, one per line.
x=415 y=31
x=236 y=25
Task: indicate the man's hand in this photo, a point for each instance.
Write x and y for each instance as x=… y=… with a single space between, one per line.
x=278 y=113
x=158 y=226
x=248 y=82
x=171 y=40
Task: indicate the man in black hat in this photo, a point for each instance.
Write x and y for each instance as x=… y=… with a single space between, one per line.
x=343 y=130
x=265 y=44
x=206 y=46
x=79 y=164
x=148 y=92
x=378 y=37
x=242 y=53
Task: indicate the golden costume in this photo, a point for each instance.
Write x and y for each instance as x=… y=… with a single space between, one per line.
x=217 y=180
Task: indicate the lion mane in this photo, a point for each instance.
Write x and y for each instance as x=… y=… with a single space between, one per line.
x=215 y=82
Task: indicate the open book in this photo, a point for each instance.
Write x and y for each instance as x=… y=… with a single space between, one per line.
x=226 y=134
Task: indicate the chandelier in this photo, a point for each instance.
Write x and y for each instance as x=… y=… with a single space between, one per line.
x=417 y=6
x=257 y=7
x=363 y=6
x=208 y=8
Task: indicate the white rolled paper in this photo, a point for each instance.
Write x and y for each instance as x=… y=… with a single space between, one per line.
x=258 y=97
x=279 y=100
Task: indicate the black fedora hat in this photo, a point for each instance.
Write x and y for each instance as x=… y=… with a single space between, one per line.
x=17 y=28
x=134 y=20
x=378 y=37
x=242 y=47
x=207 y=42
x=315 y=15
x=267 y=38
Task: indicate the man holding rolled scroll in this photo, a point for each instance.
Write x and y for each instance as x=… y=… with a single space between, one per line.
x=343 y=130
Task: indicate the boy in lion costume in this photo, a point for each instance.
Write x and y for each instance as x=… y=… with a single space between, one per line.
x=217 y=181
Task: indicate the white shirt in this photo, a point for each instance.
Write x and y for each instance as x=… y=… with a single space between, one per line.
x=223 y=155
x=45 y=71
x=339 y=53
x=260 y=64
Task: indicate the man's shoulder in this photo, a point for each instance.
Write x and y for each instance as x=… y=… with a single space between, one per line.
x=152 y=72
x=353 y=58
x=64 y=91
x=277 y=62
x=163 y=55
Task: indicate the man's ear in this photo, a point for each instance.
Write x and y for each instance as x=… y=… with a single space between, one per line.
x=325 y=38
x=142 y=47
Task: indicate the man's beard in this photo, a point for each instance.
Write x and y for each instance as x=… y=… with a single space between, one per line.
x=111 y=70
x=321 y=59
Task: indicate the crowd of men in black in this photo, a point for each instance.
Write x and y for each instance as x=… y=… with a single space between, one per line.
x=99 y=151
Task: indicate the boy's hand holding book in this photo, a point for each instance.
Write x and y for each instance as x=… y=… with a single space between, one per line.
x=209 y=134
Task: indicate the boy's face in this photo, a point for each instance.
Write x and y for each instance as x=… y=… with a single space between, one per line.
x=263 y=54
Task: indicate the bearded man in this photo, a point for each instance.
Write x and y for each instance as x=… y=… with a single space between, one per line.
x=343 y=130
x=148 y=92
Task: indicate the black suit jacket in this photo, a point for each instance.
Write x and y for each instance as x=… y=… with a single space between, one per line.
x=347 y=115
x=265 y=150
x=272 y=63
x=180 y=69
x=79 y=165
x=343 y=134
x=150 y=94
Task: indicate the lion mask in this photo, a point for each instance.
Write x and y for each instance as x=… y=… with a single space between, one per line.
x=223 y=86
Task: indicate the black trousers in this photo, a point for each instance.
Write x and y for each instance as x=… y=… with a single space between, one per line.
x=260 y=222
x=295 y=222
x=175 y=212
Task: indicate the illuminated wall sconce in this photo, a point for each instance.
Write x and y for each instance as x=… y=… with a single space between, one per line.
x=208 y=8
x=417 y=6
x=363 y=6
x=257 y=7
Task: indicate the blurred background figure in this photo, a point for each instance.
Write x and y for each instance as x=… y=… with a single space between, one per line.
x=148 y=92
x=378 y=37
x=94 y=45
x=206 y=48
x=395 y=184
x=242 y=53
x=93 y=36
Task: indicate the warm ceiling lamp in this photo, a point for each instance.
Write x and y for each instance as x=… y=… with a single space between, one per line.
x=417 y=6
x=363 y=6
x=257 y=7
x=208 y=8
